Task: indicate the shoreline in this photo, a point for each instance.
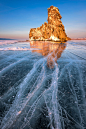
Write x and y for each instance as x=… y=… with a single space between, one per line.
x=44 y=41
x=51 y=40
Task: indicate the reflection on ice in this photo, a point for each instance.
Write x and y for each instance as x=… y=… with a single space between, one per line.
x=53 y=51
x=43 y=91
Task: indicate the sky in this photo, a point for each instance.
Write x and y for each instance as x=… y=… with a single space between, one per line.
x=18 y=16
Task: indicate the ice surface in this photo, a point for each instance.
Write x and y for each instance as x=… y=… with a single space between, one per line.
x=36 y=96
x=7 y=42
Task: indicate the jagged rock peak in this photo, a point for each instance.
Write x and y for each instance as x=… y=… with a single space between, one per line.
x=53 y=30
x=53 y=13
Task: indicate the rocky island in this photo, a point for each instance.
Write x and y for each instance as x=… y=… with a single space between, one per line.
x=51 y=31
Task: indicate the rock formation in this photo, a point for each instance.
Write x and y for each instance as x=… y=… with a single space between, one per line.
x=53 y=30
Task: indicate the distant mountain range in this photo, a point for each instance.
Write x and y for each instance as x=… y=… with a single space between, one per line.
x=6 y=39
x=78 y=38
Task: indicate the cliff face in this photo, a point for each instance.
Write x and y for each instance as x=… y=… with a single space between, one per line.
x=53 y=30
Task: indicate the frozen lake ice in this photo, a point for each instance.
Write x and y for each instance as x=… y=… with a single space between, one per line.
x=43 y=85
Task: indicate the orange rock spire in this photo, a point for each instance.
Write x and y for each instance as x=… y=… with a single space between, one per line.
x=53 y=30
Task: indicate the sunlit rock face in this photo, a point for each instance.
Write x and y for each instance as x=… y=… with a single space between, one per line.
x=53 y=30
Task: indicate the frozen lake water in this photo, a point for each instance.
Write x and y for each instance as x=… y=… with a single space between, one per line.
x=43 y=85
